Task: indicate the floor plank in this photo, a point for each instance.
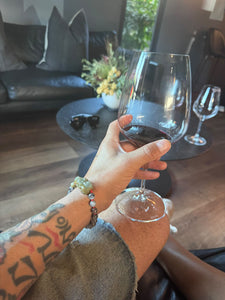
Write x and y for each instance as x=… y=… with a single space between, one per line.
x=28 y=157
x=203 y=226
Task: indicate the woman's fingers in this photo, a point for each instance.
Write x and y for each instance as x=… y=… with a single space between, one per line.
x=147 y=156
x=151 y=174
x=113 y=131
x=127 y=146
x=125 y=120
x=157 y=165
x=146 y=174
x=114 y=128
x=149 y=152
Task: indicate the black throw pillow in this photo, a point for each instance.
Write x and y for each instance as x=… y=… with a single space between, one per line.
x=65 y=44
x=8 y=60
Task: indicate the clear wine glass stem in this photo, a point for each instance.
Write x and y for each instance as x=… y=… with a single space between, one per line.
x=143 y=181
x=199 y=128
x=142 y=187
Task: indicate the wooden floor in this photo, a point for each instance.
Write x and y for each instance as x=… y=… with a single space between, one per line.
x=38 y=161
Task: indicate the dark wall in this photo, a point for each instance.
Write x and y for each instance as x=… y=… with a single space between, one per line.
x=178 y=22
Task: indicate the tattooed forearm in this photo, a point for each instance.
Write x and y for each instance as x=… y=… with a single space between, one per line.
x=64 y=227
x=5 y=296
x=26 y=249
x=48 y=214
x=24 y=226
x=43 y=217
x=44 y=248
x=25 y=277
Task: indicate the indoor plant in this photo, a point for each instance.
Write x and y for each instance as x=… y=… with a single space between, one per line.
x=106 y=76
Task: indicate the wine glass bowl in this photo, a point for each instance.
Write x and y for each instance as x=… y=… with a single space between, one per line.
x=206 y=106
x=156 y=94
x=155 y=104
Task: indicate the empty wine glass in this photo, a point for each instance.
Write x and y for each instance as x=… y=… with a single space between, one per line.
x=205 y=107
x=155 y=104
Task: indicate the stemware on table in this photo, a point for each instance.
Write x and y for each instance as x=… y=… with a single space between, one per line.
x=155 y=104
x=205 y=107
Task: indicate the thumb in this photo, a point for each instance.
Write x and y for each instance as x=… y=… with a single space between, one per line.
x=150 y=152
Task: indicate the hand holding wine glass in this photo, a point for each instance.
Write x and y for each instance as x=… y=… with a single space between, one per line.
x=205 y=107
x=156 y=100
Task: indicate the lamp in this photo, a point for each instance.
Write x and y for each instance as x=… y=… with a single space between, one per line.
x=218 y=12
x=216 y=7
x=208 y=5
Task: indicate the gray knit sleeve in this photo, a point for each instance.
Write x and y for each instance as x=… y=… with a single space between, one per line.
x=97 y=265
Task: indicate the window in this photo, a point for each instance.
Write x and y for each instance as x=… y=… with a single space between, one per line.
x=139 y=23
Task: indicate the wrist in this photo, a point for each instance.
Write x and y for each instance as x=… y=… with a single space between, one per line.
x=76 y=206
x=103 y=192
x=86 y=188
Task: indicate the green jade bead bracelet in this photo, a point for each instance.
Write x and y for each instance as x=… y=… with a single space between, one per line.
x=86 y=188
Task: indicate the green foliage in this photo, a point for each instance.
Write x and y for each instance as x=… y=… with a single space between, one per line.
x=139 y=23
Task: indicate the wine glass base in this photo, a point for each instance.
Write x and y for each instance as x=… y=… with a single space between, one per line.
x=198 y=141
x=141 y=207
x=168 y=124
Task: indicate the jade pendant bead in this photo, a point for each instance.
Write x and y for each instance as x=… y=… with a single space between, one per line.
x=83 y=184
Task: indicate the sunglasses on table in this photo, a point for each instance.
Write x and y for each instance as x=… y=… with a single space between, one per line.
x=77 y=121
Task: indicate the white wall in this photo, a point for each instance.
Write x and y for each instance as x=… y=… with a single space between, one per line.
x=29 y=11
x=101 y=14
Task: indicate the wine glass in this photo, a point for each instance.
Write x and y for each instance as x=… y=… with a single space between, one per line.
x=205 y=107
x=155 y=104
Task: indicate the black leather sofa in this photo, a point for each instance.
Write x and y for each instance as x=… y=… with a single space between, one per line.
x=33 y=88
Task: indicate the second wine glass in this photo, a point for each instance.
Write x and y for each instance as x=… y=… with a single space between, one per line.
x=155 y=104
x=205 y=107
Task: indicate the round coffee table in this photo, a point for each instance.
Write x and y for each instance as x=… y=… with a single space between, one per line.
x=93 y=138
x=86 y=134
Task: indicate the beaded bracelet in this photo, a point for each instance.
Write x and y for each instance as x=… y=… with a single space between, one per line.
x=86 y=188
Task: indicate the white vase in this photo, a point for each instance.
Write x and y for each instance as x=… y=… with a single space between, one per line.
x=111 y=101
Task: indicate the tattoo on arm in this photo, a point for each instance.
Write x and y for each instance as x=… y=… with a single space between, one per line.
x=47 y=257
x=25 y=261
x=9 y=234
x=5 y=296
x=64 y=227
x=50 y=244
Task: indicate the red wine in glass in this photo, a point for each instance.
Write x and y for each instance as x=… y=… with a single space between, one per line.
x=140 y=135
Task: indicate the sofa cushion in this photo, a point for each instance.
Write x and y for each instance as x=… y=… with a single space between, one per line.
x=37 y=84
x=80 y=31
x=8 y=60
x=65 y=44
x=27 y=41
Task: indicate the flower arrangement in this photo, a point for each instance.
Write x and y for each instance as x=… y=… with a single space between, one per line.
x=106 y=75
